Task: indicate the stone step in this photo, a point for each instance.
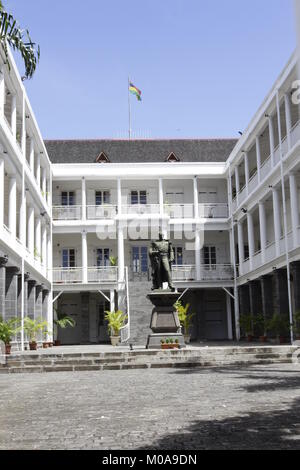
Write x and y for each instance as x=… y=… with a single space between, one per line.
x=147 y=359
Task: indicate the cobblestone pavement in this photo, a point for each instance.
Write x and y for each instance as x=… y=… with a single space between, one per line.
x=255 y=407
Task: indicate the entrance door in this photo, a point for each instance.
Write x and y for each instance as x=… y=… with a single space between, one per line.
x=103 y=334
x=214 y=305
x=69 y=305
x=140 y=262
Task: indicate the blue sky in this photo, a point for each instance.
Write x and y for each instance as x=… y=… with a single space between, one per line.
x=203 y=66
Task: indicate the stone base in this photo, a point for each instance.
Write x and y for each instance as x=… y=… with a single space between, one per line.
x=154 y=340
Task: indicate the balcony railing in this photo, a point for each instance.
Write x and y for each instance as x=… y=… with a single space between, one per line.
x=67 y=275
x=140 y=209
x=101 y=212
x=216 y=272
x=295 y=133
x=179 y=211
x=102 y=275
x=213 y=211
x=67 y=212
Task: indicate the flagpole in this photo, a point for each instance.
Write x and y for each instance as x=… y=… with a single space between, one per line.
x=129 y=110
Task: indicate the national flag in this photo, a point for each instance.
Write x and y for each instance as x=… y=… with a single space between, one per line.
x=135 y=91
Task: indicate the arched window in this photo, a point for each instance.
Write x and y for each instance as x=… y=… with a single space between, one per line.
x=102 y=158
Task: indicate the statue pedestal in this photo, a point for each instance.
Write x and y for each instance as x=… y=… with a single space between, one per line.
x=164 y=320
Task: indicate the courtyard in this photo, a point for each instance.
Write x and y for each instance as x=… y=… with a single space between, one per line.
x=250 y=407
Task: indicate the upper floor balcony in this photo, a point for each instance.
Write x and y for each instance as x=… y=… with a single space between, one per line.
x=207 y=272
x=110 y=211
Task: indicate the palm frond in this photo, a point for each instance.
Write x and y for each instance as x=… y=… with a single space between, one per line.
x=19 y=40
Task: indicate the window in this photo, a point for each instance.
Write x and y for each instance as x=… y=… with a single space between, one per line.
x=67 y=198
x=138 y=197
x=210 y=256
x=178 y=252
x=172 y=158
x=102 y=197
x=68 y=258
x=140 y=259
x=103 y=257
x=102 y=158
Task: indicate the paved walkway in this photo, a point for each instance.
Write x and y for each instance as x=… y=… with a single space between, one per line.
x=255 y=407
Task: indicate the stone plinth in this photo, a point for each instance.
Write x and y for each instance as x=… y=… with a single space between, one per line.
x=164 y=320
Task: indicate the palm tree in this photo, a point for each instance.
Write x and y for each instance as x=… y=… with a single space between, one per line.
x=19 y=40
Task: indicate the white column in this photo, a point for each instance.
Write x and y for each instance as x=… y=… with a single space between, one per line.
x=30 y=229
x=288 y=118
x=22 y=218
x=49 y=254
x=31 y=155
x=12 y=205
x=2 y=172
x=44 y=246
x=44 y=181
x=38 y=170
x=263 y=229
x=2 y=91
x=121 y=256
x=14 y=115
x=119 y=199
x=277 y=223
x=161 y=196
x=241 y=246
x=294 y=207
x=84 y=257
x=38 y=247
x=83 y=198
x=229 y=317
x=250 y=237
x=258 y=158
x=247 y=173
x=237 y=183
x=196 y=198
x=272 y=140
x=112 y=300
x=198 y=254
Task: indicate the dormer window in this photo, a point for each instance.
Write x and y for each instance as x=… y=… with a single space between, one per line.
x=172 y=158
x=102 y=158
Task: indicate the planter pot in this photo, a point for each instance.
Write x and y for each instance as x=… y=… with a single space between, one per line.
x=115 y=340
x=187 y=339
x=250 y=338
x=33 y=346
x=7 y=349
x=45 y=345
x=57 y=343
x=263 y=339
x=170 y=346
x=50 y=345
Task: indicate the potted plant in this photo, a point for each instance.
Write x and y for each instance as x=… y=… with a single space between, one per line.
x=31 y=328
x=185 y=319
x=246 y=324
x=8 y=329
x=62 y=321
x=262 y=324
x=279 y=324
x=115 y=321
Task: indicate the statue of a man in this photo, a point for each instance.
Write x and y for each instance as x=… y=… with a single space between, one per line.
x=161 y=256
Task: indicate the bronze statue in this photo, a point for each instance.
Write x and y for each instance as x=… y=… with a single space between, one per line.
x=161 y=256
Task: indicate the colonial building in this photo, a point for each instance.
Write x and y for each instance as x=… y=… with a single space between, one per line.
x=230 y=208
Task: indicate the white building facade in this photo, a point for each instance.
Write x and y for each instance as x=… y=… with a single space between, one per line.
x=78 y=230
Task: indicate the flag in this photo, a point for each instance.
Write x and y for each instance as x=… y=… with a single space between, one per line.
x=135 y=91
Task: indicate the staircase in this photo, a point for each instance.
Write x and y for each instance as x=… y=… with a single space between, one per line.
x=54 y=361
x=140 y=311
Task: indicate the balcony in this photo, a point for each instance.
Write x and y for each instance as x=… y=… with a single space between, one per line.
x=140 y=209
x=101 y=212
x=66 y=276
x=213 y=211
x=67 y=212
x=216 y=272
